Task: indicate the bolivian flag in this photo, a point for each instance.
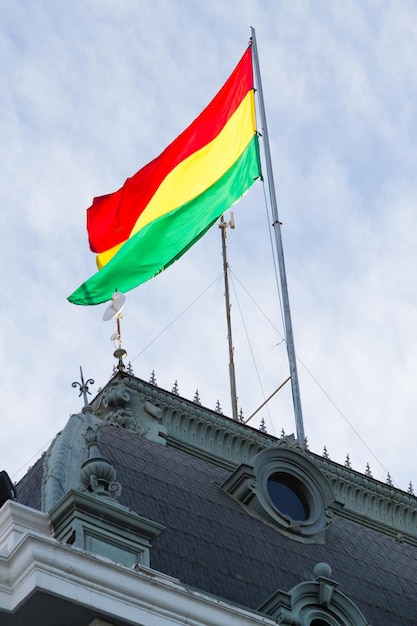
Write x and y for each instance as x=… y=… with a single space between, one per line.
x=163 y=209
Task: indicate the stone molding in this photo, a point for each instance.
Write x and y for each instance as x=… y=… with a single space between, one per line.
x=104 y=527
x=15 y=519
x=191 y=427
x=165 y=417
x=310 y=600
x=38 y=563
x=375 y=504
x=248 y=484
x=63 y=460
x=117 y=404
x=207 y=434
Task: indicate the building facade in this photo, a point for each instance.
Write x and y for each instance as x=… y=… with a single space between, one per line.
x=150 y=509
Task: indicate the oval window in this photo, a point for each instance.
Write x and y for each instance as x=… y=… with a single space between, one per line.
x=287 y=495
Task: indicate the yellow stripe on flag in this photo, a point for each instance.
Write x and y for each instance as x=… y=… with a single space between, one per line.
x=199 y=171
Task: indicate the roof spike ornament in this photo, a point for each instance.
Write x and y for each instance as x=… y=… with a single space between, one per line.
x=348 y=464
x=410 y=489
x=240 y=417
x=152 y=379
x=218 y=408
x=389 y=480
x=262 y=426
x=368 y=471
x=196 y=398
x=325 y=453
x=175 y=389
x=114 y=311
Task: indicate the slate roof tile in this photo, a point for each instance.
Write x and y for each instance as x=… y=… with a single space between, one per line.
x=212 y=543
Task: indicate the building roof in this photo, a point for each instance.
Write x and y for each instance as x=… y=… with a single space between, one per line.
x=212 y=543
x=213 y=539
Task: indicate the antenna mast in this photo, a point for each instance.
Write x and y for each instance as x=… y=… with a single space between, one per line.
x=280 y=254
x=114 y=311
x=223 y=226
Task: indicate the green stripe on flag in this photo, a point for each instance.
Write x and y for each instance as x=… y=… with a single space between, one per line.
x=166 y=239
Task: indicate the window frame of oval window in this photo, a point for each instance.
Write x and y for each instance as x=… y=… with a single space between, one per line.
x=314 y=487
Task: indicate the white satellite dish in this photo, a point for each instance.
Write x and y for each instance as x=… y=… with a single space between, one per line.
x=115 y=307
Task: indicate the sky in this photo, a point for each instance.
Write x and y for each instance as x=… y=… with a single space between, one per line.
x=92 y=90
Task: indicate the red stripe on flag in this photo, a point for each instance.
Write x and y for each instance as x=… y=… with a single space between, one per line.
x=111 y=218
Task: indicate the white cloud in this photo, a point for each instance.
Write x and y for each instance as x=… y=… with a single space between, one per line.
x=93 y=90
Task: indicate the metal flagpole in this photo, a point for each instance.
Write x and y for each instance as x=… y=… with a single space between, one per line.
x=223 y=225
x=280 y=254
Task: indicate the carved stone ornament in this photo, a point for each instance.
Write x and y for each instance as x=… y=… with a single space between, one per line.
x=286 y=619
x=318 y=599
x=290 y=442
x=126 y=408
x=98 y=475
x=111 y=403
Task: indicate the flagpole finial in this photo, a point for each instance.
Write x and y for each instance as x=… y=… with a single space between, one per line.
x=120 y=354
x=114 y=311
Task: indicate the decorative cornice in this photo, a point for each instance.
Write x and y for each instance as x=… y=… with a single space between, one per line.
x=75 y=577
x=133 y=411
x=371 y=502
x=15 y=520
x=191 y=427
x=38 y=563
x=166 y=417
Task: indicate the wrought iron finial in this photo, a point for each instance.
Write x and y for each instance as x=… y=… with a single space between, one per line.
x=262 y=426
x=389 y=480
x=410 y=489
x=325 y=453
x=196 y=398
x=84 y=390
x=152 y=379
x=368 y=471
x=175 y=389
x=348 y=464
x=218 y=408
x=241 y=418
